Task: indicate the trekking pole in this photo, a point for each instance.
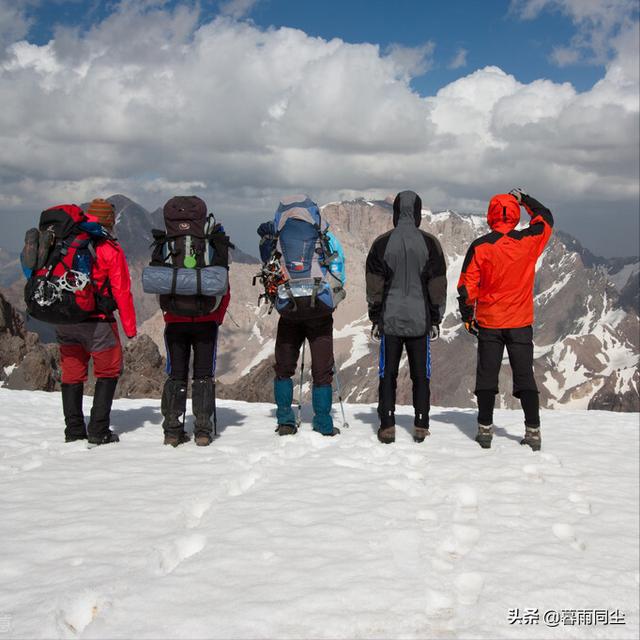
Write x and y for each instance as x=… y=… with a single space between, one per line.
x=344 y=420
x=213 y=378
x=215 y=415
x=298 y=420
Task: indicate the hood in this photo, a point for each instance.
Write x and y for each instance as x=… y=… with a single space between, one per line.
x=407 y=206
x=504 y=213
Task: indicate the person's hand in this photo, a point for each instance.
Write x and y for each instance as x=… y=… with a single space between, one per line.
x=517 y=193
x=472 y=327
x=434 y=332
x=375 y=332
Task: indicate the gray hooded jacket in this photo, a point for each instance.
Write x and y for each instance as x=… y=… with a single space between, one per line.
x=406 y=274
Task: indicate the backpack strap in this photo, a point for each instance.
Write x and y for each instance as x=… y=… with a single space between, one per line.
x=287 y=288
x=314 y=292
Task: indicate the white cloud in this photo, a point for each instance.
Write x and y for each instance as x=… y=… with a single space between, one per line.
x=150 y=102
x=598 y=23
x=459 y=60
x=14 y=22
x=412 y=62
x=237 y=8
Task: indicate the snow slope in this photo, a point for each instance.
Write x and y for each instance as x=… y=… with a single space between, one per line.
x=265 y=537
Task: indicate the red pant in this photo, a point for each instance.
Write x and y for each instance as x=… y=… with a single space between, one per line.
x=90 y=339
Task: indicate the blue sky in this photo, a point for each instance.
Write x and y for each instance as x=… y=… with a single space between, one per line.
x=491 y=31
x=455 y=100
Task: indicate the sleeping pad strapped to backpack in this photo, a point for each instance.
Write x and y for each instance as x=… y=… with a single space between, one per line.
x=189 y=267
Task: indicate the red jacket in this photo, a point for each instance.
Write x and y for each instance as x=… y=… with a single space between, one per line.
x=496 y=283
x=111 y=265
x=217 y=316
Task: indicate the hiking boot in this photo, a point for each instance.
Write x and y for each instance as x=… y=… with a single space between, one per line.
x=98 y=427
x=387 y=435
x=175 y=439
x=203 y=404
x=532 y=437
x=484 y=436
x=420 y=433
x=283 y=394
x=108 y=438
x=286 y=429
x=334 y=432
x=74 y=437
x=75 y=428
x=321 y=398
x=203 y=439
x=173 y=406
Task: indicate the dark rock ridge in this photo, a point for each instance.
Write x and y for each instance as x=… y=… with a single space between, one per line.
x=27 y=364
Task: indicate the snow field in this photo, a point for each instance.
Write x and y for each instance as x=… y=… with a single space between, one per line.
x=259 y=536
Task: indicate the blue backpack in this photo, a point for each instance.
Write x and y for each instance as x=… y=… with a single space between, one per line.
x=305 y=262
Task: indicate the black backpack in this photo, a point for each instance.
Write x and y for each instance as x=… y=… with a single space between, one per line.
x=58 y=257
x=190 y=259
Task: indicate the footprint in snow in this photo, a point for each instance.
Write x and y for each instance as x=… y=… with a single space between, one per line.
x=256 y=456
x=225 y=448
x=34 y=463
x=460 y=543
x=194 y=511
x=468 y=587
x=566 y=533
x=349 y=464
x=533 y=473
x=582 y=505
x=80 y=612
x=428 y=518
x=439 y=606
x=242 y=484
x=466 y=504
x=172 y=555
x=406 y=485
x=551 y=458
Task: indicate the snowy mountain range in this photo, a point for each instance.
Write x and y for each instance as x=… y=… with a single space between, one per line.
x=586 y=332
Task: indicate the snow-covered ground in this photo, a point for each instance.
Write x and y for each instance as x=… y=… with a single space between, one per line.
x=309 y=537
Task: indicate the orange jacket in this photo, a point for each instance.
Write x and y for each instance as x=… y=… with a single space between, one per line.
x=496 y=283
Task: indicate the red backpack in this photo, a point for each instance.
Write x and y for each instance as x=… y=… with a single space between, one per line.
x=60 y=256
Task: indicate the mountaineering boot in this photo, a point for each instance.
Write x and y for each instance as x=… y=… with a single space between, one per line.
x=484 y=435
x=175 y=440
x=387 y=435
x=286 y=430
x=283 y=394
x=173 y=406
x=202 y=401
x=72 y=408
x=420 y=433
x=98 y=428
x=321 y=398
x=532 y=437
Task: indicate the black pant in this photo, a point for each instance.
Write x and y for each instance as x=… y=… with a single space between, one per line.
x=180 y=338
x=419 y=355
x=519 y=344
x=292 y=333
